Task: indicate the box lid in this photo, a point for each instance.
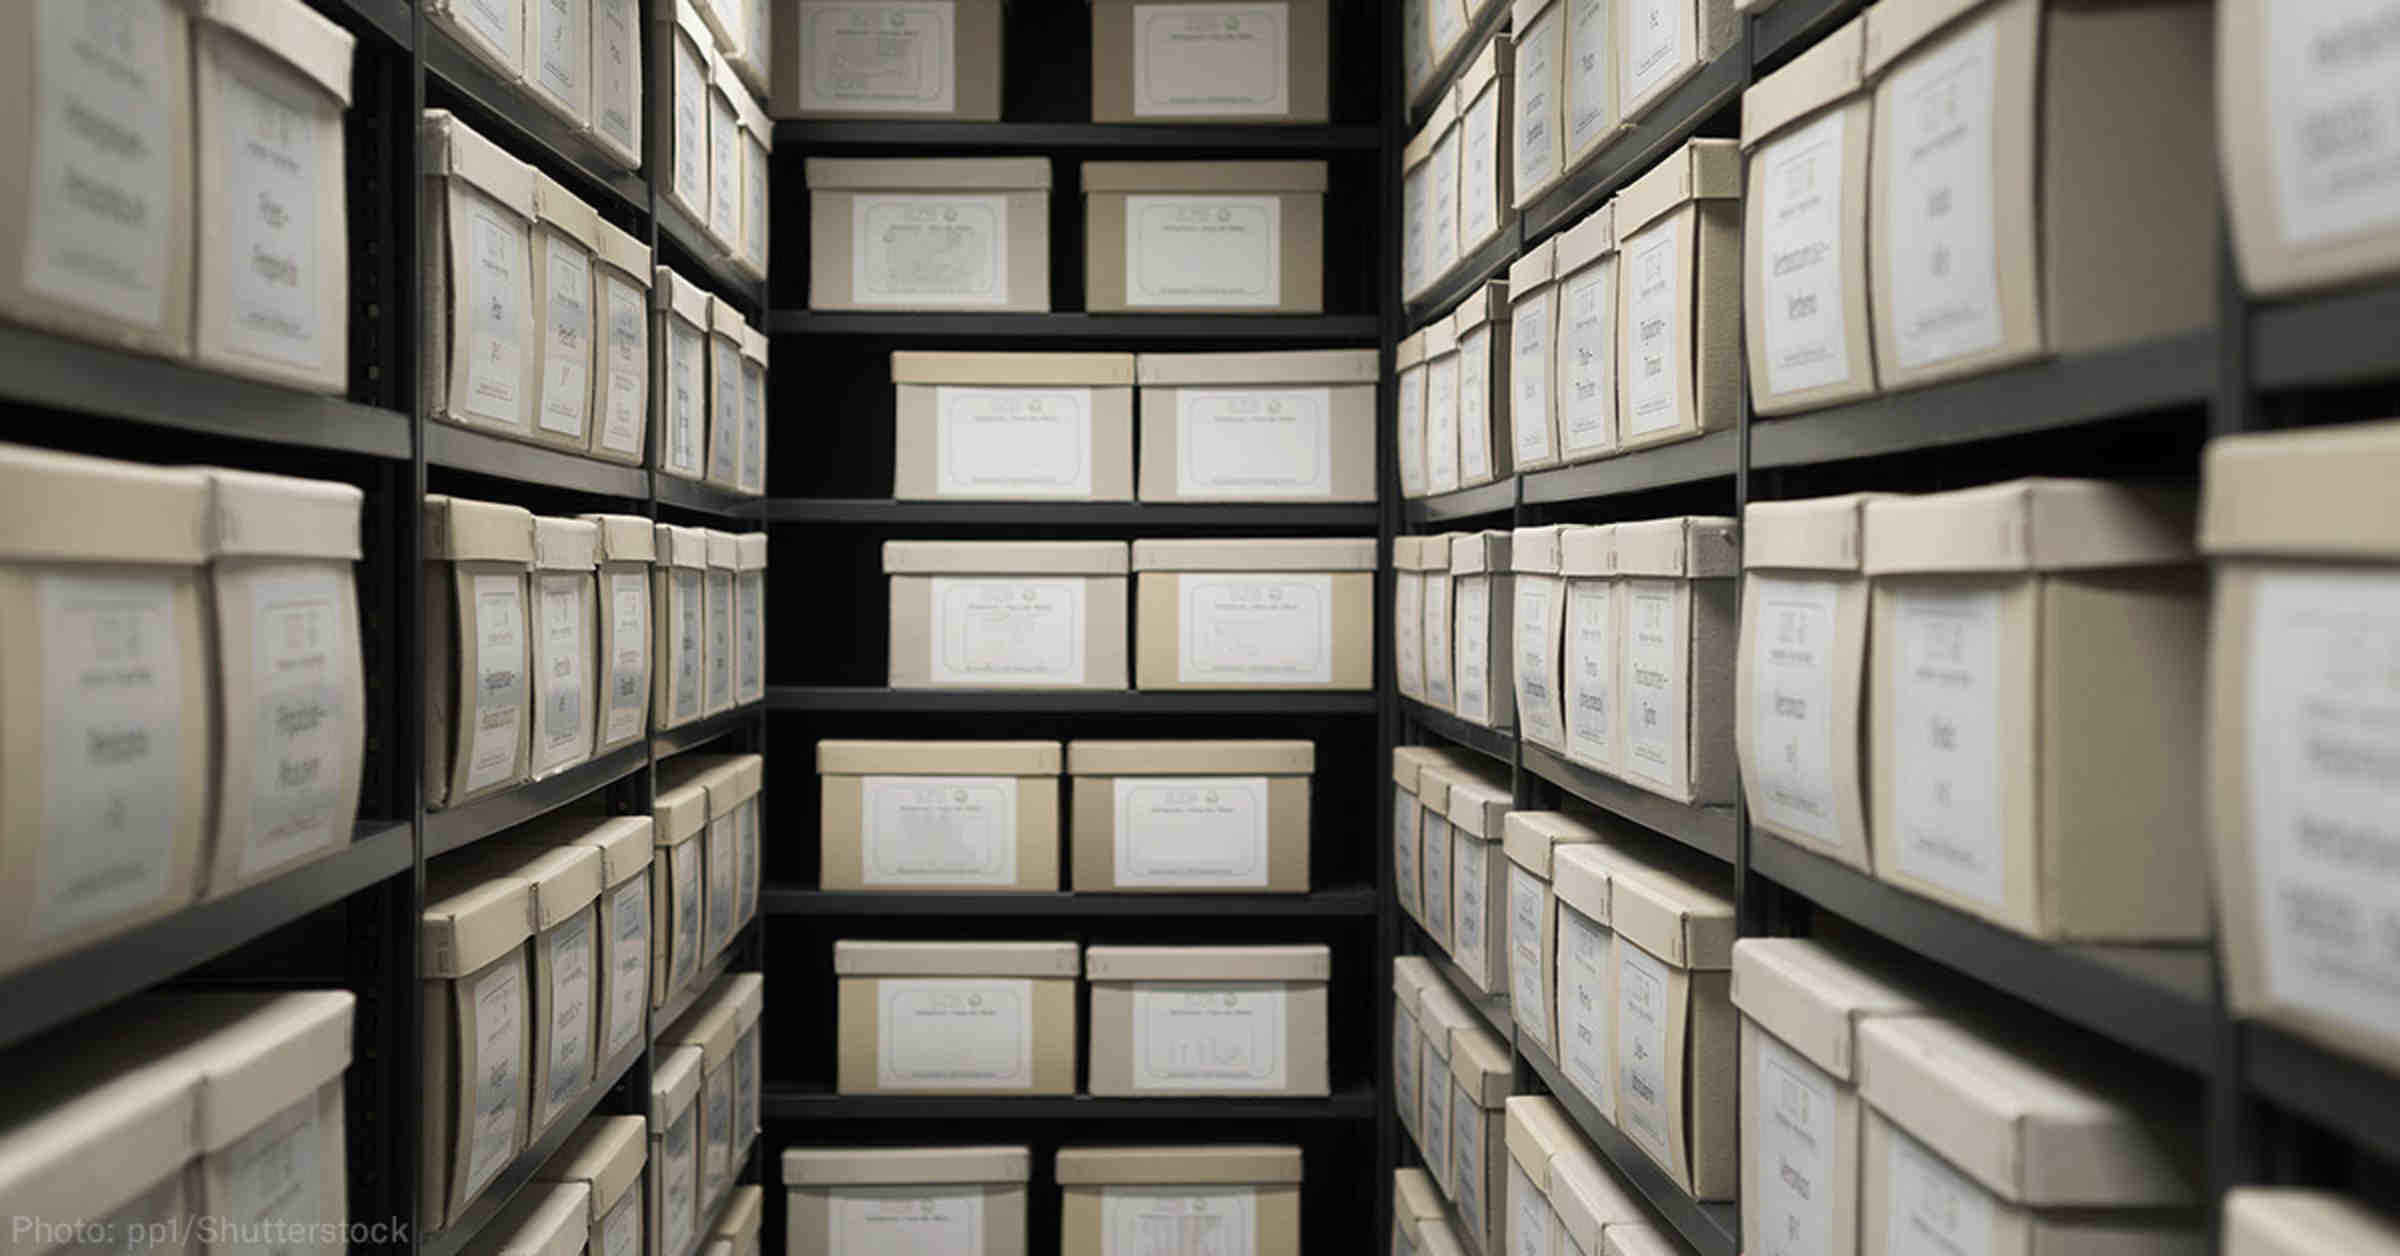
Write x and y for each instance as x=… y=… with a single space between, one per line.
x=1829 y=70
x=470 y=926
x=1641 y=1239
x=1209 y=963
x=458 y=529
x=856 y=958
x=1435 y=779
x=1593 y=237
x=2325 y=491
x=905 y=1166
x=605 y=1153
x=750 y=551
x=111 y=1101
x=1442 y=1016
x=720 y=548
x=1481 y=1065
x=927 y=174
x=455 y=150
x=1812 y=534
x=1191 y=758
x=2030 y=1132
x=1441 y=337
x=1410 y=976
x=1678 y=911
x=1414 y=1195
x=1537 y=1130
x=1534 y=551
x=1440 y=117
x=2030 y=525
x=1521 y=13
x=678 y=546
x=255 y=515
x=1479 y=808
x=709 y=1026
x=1291 y=554
x=2264 y=1221
x=733 y=780
x=721 y=80
x=1812 y=997
x=561 y=210
x=1408 y=553
x=1409 y=761
x=1486 y=69
x=1203 y=176
x=623 y=252
x=314 y=45
x=254 y=1053
x=681 y=812
x=625 y=538
x=1434 y=1237
x=1019 y=370
x=1533 y=839
x=748 y=993
x=70 y=507
x=1238 y=370
x=674 y=294
x=1588 y=551
x=754 y=345
x=674 y=1083
x=1436 y=554
x=1472 y=553
x=1483 y=303
x=940 y=758
x=1895 y=26
x=745 y=1208
x=565 y=880
x=546 y=1220
x=1703 y=169
x=1583 y=876
x=685 y=17
x=1004 y=558
x=565 y=544
x=756 y=126
x=1687 y=547
x=623 y=842
x=1228 y=1164
x=1589 y=1197
x=726 y=321
x=1535 y=268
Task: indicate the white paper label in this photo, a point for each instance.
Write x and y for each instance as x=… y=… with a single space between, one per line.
x=1643 y=1111
x=725 y=410
x=1412 y=432
x=1529 y=340
x=1007 y=632
x=1537 y=83
x=565 y=47
x=929 y=250
x=560 y=678
x=1449 y=22
x=629 y=980
x=1434 y=1117
x=1654 y=685
x=1934 y=1209
x=1437 y=639
x=1441 y=424
x=100 y=192
x=1231 y=60
x=746 y=889
x=1203 y=250
x=1408 y=632
x=1944 y=255
x=1254 y=442
x=754 y=426
x=1945 y=741
x=629 y=667
x=686 y=396
x=1791 y=712
x=498 y=21
x=1404 y=849
x=716 y=1131
x=677 y=1191
x=867 y=56
x=498 y=717
x=722 y=834
x=1265 y=629
x=1586 y=1009
x=1416 y=47
x=1404 y=1064
x=1591 y=84
x=627 y=366
x=938 y=830
x=498 y=1070
x=1185 y=1221
x=264 y=225
x=2333 y=91
x=1443 y=240
x=756 y=216
x=1536 y=672
x=724 y=168
x=1193 y=1035
x=750 y=654
x=1474 y=363
x=1479 y=169
x=1433 y=862
x=271 y=1182
x=616 y=92
x=745 y=1089
x=1529 y=1216
x=1474 y=647
x=1591 y=672
x=493 y=315
x=1469 y=923
x=904 y=1221
x=1470 y=1127
x=1528 y=962
x=1416 y=227
x=621 y=1230
x=1587 y=361
x=1794 y=1154
x=1654 y=51
x=1013 y=442
x=1655 y=308
x=689 y=177
x=299 y=657
x=1800 y=184
x=720 y=638
x=684 y=871
x=955 y=1034
x=1207 y=831
x=571 y=981
x=567 y=342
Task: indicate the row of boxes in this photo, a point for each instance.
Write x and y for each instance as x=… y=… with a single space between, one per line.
x=714 y=140
x=603 y=1190
x=1226 y=1198
x=973 y=233
x=1148 y=816
x=1215 y=427
x=1215 y=614
x=999 y=1018
x=1446 y=815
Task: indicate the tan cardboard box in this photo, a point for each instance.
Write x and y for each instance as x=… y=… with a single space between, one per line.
x=1407 y=826
x=1443 y=469
x=1481 y=1074
x=888 y=59
x=1677 y=1046
x=1584 y=397
x=562 y=609
x=2267 y=1221
x=1539 y=605
x=727 y=329
x=493 y=31
x=481 y=369
x=1533 y=358
x=1584 y=994
x=1204 y=236
x=957 y=1017
x=1182 y=61
x=560 y=885
x=1203 y=1020
x=2035 y=707
x=725 y=192
x=624 y=846
x=675 y=1201
x=1805 y=134
x=682 y=46
x=710 y=1027
x=1484 y=99
x=1538 y=143
x=605 y=1156
x=1799 y=684
x=1415 y=1202
x=1191 y=816
x=1483 y=606
x=716 y=651
x=749 y=255
x=1442 y=1019
x=1118 y=1198
x=1664 y=42
x=939 y=815
x=1531 y=841
x=1227 y=427
x=754 y=413
x=1012 y=426
x=738 y=1225
x=748 y=992
x=1255 y=614
x=2051 y=237
x=1408 y=376
x=1676 y=591
x=617 y=80
x=1007 y=614
x=1408 y=615
x=1537 y=1130
x=478 y=697
x=478 y=1040
x=680 y=342
x=1411 y=975
x=1589 y=648
x=116 y=1098
x=620 y=413
x=749 y=618
x=731 y=786
x=271 y=273
x=1481 y=324
x=558 y=59
x=848 y=1200
x=1640 y=1240
x=1679 y=302
x=566 y=238
x=1589 y=111
x=678 y=581
x=678 y=891
x=1429 y=199
x=626 y=550
x=1439 y=659
x=1478 y=885
x=750 y=772
x=1436 y=899
x=1593 y=1202
x=947 y=233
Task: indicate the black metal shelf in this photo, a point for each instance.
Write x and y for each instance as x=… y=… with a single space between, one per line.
x=2155 y=999
x=692 y=250
x=1136 y=515
x=1037 y=137
x=716 y=966
x=1497 y=743
x=515 y=120
x=1344 y=902
x=1709 y=830
x=1644 y=144
x=1330 y=329
x=1486 y=263
x=1493 y=1008
x=446 y=831
x=1788 y=25
x=2328 y=1089
x=1480 y=30
x=1710 y=457
x=1497 y=497
x=460 y=1235
x=704 y=498
x=2345 y=338
x=700 y=732
x=1068 y=701
x=795 y=1103
x=389 y=19
x=460 y=449
x=1710 y=1229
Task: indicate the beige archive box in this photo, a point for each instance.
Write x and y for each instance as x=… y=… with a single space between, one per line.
x=1677 y=1047
x=1255 y=614
x=563 y=608
x=748 y=992
x=727 y=330
x=682 y=47
x=1012 y=426
x=558 y=58
x=1536 y=1132
x=1584 y=378
x=956 y=1017
x=1675 y=593
x=846 y=1200
x=1968 y=1134
x=478 y=696
x=947 y=233
x=716 y=651
x=1531 y=840
x=2268 y=1221
x=122 y=279
x=1436 y=895
x=1485 y=103
x=114 y=1099
x=678 y=888
x=1429 y=199
x=1662 y=43
x=493 y=31
x=1219 y=1021
x=1483 y=636
x=1805 y=133
x=1443 y=470
x=1533 y=358
x=620 y=414
x=478 y=1041
x=269 y=271
x=749 y=618
x=1481 y=1076
x=1589 y=112
x=1410 y=976
x=888 y=59
x=1191 y=816
x=1538 y=602
x=1415 y=1202
x=1442 y=1019
x=1679 y=318
x=2087 y=236
x=1584 y=992
x=476 y=266
x=678 y=631
x=679 y=372
x=1800 y=682
x=627 y=547
x=1480 y=324
x=2035 y=704
x=616 y=119
x=1802 y=1003
x=726 y=787
x=1439 y=660
x=709 y=1026
x=1595 y=1207
x=938 y=815
x=623 y=956
x=559 y=886
x=1538 y=133
x=1117 y=1198
x=1192 y=61
x=1007 y=614
x=738 y=1224
x=1408 y=825
x=544 y=1219
x=1407 y=622
x=749 y=254
x=725 y=193
x=1204 y=236
x=674 y=1115
x=1233 y=427
x=1408 y=377
x=2302 y=547
x=566 y=240
x=1589 y=649
x=1478 y=883
x=754 y=413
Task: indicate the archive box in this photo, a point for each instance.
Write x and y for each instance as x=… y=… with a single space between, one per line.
x=754 y=413
x=476 y=267
x=888 y=60
x=942 y=233
x=1478 y=889
x=1679 y=293
x=1531 y=840
x=623 y=954
x=709 y=1026
x=478 y=1038
x=726 y=332
x=1584 y=400
x=1582 y=888
x=1596 y=1207
x=558 y=58
x=1483 y=638
x=605 y=1156
x=494 y=33
x=931 y=1199
x=1533 y=358
x=730 y=783
x=1007 y=614
x=1662 y=43
x=558 y=884
x=563 y=606
x=2270 y=1221
x=737 y=1232
x=1209 y=1020
x=1255 y=614
x=1436 y=899
x=678 y=888
x=1429 y=198
x=565 y=240
x=1481 y=325
x=1589 y=649
x=1590 y=114
x=1408 y=615
x=1204 y=236
x=749 y=255
x=716 y=651
x=680 y=41
x=1408 y=376
x=1410 y=976
x=1444 y=471
x=1538 y=598
x=1484 y=100
x=1407 y=825
x=1677 y=1049
x=1675 y=589
x=620 y=414
x=1415 y=1203
x=1191 y=816
x=1012 y=426
x=957 y=1017
x=1536 y=1132
x=105 y=1101
x=678 y=581
x=617 y=82
x=1439 y=662
x=1481 y=1074
x=478 y=699
x=1119 y=1199
x=748 y=992
x=1537 y=130
x=679 y=392
x=626 y=548
x=1278 y=427
x=1183 y=61
x=723 y=225
x=749 y=617
x=1443 y=1018
x=939 y=815
x=675 y=1201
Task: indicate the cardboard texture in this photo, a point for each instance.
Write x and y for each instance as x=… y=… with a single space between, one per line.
x=1482 y=365
x=1905 y=1180
x=1115 y=1194
x=872 y=245
x=560 y=884
x=1799 y=681
x=1012 y=426
x=545 y=1219
x=1673 y=950
x=477 y=272
x=478 y=696
x=1296 y=426
x=1301 y=611
x=114 y=1096
x=1484 y=97
x=1483 y=632
x=1178 y=61
x=1584 y=395
x=1679 y=301
x=1675 y=595
x=1531 y=838
x=888 y=61
x=903 y=815
x=1214 y=1021
x=606 y=1155
x=1193 y=236
x=1591 y=1201
x=1191 y=816
x=1538 y=1132
x=903 y=1029
x=832 y=1192
x=2267 y=1221
x=1002 y=614
x=478 y=1042
x=1685 y=36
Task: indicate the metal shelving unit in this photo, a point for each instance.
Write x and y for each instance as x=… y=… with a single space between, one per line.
x=1284 y=330
x=512 y=118
x=456 y=1237
x=1677 y=117
x=1709 y=830
x=1497 y=497
x=1488 y=262
x=1710 y=457
x=1498 y=743
x=2324 y=341
x=1066 y=701
x=1133 y=516
x=1339 y=902
x=1049 y=137
x=471 y=822
x=1712 y=1229
x=459 y=449
x=795 y=1104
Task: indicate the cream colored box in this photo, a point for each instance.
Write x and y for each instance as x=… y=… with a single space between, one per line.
x=1483 y=607
x=1255 y=614
x=1436 y=898
x=888 y=59
x=1481 y=1075
x=271 y=271
x=1677 y=1045
x=748 y=991
x=1007 y=614
x=566 y=238
x=1012 y=426
x=1531 y=840
x=627 y=547
x=729 y=785
x=492 y=30
x=564 y=638
x=710 y=1027
x=938 y=815
x=1589 y=646
x=1429 y=199
x=123 y=278
x=1799 y=685
x=1537 y=1133
x=681 y=43
x=605 y=1156
x=1234 y=427
x=1596 y=1207
x=1408 y=376
x=1533 y=358
x=1679 y=316
x=727 y=330
x=725 y=192
x=1537 y=127
x=754 y=413
x=1204 y=236
x=949 y=233
x=616 y=122
x=957 y=1017
x=1411 y=976
x=1589 y=113
x=1481 y=324
x=1484 y=99
x=678 y=582
x=716 y=655
x=478 y=1041
x=1191 y=816
x=623 y=962
x=675 y=1201
x=2085 y=237
x=558 y=58
x=1584 y=993
x=1407 y=620
x=851 y=1200
x=1439 y=659
x=1117 y=1198
x=1415 y=1202
x=1538 y=600
x=479 y=335
x=621 y=361
x=1478 y=882
x=2035 y=706
x=1201 y=1020
x=749 y=254
x=1676 y=592
x=1442 y=1019
x=680 y=395
x=750 y=618
x=559 y=885
x=1197 y=61
x=1408 y=826
x=112 y=1099
x=1584 y=396
x=544 y=1219
x=1443 y=469
x=738 y=1224
x=2268 y=1221
x=748 y=788
x=478 y=697
x=678 y=888
x=1661 y=43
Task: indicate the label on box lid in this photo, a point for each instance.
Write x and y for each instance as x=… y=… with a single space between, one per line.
x=1655 y=50
x=1587 y=352
x=99 y=198
x=1472 y=597
x=2327 y=70
x=865 y=1221
x=938 y=830
x=1654 y=682
x=1018 y=441
x=1255 y=628
x=1539 y=78
x=1193 y=250
x=1587 y=1010
x=1644 y=1013
x=494 y=723
x=1216 y=1035
x=1803 y=314
x=1591 y=100
x=1945 y=740
x=1797 y=1157
x=988 y=631
x=1529 y=969
x=1254 y=442
x=1441 y=423
x=1941 y=133
x=1479 y=165
x=1656 y=307
x=270 y=176
x=497 y=1065
x=1792 y=679
x=923 y=249
x=1212 y=59
x=883 y=56
x=572 y=982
